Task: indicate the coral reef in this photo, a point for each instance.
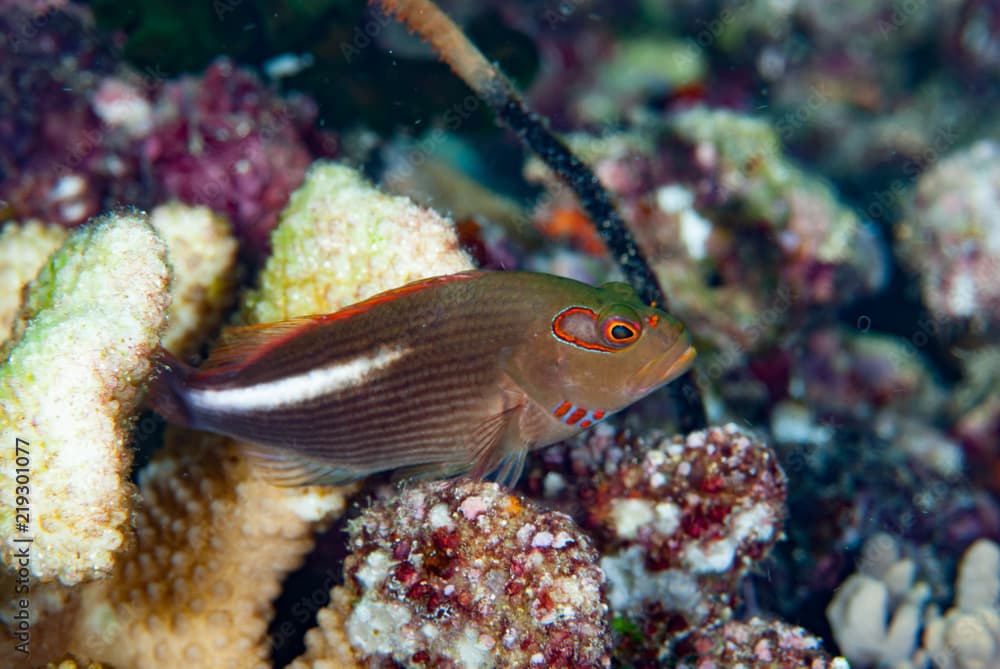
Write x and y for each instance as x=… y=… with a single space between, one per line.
x=950 y=237
x=757 y=644
x=967 y=636
x=92 y=133
x=223 y=140
x=70 y=386
x=24 y=248
x=679 y=526
x=467 y=575
x=199 y=578
x=975 y=408
x=202 y=255
x=707 y=190
x=860 y=611
x=341 y=241
x=214 y=543
x=716 y=125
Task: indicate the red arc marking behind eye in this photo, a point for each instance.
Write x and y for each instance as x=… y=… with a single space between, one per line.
x=561 y=333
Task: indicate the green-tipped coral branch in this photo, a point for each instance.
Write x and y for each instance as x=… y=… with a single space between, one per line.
x=454 y=48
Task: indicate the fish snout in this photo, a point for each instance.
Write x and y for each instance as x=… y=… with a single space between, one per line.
x=666 y=367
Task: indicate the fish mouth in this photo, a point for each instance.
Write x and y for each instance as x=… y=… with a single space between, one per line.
x=665 y=368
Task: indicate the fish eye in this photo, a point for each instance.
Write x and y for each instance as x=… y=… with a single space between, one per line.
x=620 y=331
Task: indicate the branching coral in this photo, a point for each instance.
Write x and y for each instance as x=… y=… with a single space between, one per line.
x=202 y=254
x=967 y=636
x=70 y=385
x=340 y=240
x=214 y=543
x=860 y=612
x=24 y=248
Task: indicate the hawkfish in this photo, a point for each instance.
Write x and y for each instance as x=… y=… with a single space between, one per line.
x=464 y=373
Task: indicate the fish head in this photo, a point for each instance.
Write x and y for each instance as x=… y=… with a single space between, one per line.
x=617 y=349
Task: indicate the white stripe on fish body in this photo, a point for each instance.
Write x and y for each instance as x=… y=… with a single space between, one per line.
x=296 y=389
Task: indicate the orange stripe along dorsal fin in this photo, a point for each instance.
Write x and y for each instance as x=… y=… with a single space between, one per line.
x=242 y=345
x=396 y=293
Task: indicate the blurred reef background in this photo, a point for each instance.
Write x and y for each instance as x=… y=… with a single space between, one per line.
x=816 y=184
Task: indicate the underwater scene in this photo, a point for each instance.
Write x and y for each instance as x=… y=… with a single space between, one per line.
x=514 y=334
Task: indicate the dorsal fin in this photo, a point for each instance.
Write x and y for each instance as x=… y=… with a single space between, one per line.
x=242 y=345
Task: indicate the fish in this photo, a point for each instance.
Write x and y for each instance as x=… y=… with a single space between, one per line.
x=458 y=374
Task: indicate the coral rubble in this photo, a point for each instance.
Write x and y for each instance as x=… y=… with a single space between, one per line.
x=757 y=644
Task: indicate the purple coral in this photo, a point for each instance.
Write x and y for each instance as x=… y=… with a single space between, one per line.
x=463 y=574
x=225 y=141
x=58 y=161
x=89 y=133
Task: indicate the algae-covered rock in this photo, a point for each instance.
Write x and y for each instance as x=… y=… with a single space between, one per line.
x=640 y=68
x=24 y=248
x=69 y=386
x=202 y=253
x=341 y=240
x=950 y=238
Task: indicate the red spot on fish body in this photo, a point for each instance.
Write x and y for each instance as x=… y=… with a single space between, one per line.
x=585 y=424
x=562 y=409
x=575 y=416
x=598 y=415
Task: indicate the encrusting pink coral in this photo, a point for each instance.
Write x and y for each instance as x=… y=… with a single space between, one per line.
x=465 y=575
x=756 y=644
x=678 y=521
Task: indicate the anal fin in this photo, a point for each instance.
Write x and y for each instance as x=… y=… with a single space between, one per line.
x=429 y=472
x=286 y=468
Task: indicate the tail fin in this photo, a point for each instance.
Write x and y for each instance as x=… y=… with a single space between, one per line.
x=166 y=391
